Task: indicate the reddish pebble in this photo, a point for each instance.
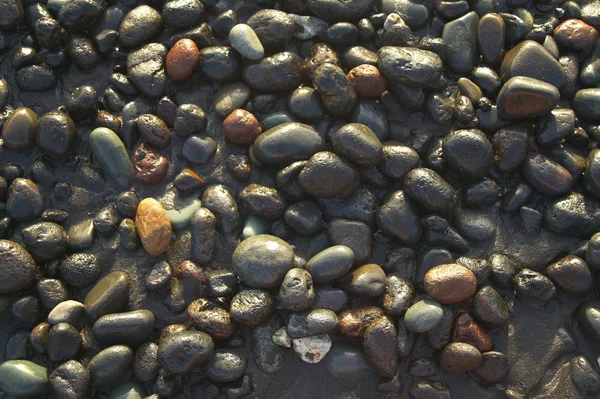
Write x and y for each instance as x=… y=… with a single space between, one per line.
x=150 y=165
x=367 y=81
x=241 y=127
x=182 y=59
x=575 y=34
x=468 y=331
x=153 y=226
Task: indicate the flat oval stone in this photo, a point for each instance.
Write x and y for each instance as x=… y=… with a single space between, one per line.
x=153 y=226
x=586 y=104
x=111 y=155
x=460 y=36
x=469 y=152
x=450 y=283
x=423 y=316
x=19 y=131
x=490 y=36
x=70 y=380
x=182 y=352
x=146 y=69
x=243 y=38
x=336 y=90
x=139 y=26
x=399 y=218
x=128 y=328
x=545 y=175
x=429 y=190
x=523 y=97
x=262 y=261
x=18 y=267
x=230 y=97
x=459 y=357
x=241 y=127
x=25 y=200
x=330 y=264
x=530 y=59
x=359 y=144
x=182 y=59
x=287 y=143
x=380 y=345
x=367 y=280
x=66 y=312
x=328 y=176
x=109 y=295
x=110 y=365
x=575 y=34
x=23 y=379
x=409 y=66
x=281 y=71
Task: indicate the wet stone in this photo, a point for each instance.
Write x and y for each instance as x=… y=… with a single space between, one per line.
x=153 y=130
x=128 y=328
x=532 y=284
x=22 y=378
x=450 y=283
x=531 y=60
x=575 y=34
x=56 y=134
x=211 y=319
x=305 y=217
x=330 y=264
x=523 y=97
x=180 y=353
x=251 y=307
x=64 y=342
x=545 y=175
x=153 y=226
x=586 y=103
x=18 y=265
x=19 y=131
x=398 y=217
x=409 y=66
x=225 y=366
x=36 y=78
x=181 y=14
x=139 y=26
x=81 y=236
x=145 y=364
x=70 y=312
x=380 y=343
x=26 y=310
x=461 y=37
x=571 y=275
x=429 y=189
x=347 y=362
x=490 y=36
x=583 y=375
x=337 y=92
x=312 y=323
x=45 y=240
x=111 y=155
x=230 y=97
x=398 y=295
x=281 y=71
x=109 y=295
x=150 y=166
x=468 y=331
x=459 y=357
x=359 y=144
x=145 y=69
x=493 y=367
x=267 y=355
x=246 y=42
x=80 y=269
x=70 y=380
x=189 y=119
x=110 y=366
x=328 y=176
x=79 y=15
x=296 y=292
x=423 y=316
x=554 y=127
x=274 y=28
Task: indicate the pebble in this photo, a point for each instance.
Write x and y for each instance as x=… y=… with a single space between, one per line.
x=286 y=143
x=308 y=26
x=589 y=319
x=251 y=307
x=153 y=130
x=243 y=38
x=81 y=235
x=312 y=323
x=489 y=308
x=241 y=127
x=336 y=90
x=409 y=66
x=110 y=366
x=153 y=226
x=354 y=322
x=523 y=97
x=211 y=319
x=225 y=366
x=80 y=270
x=296 y=292
x=189 y=119
x=38 y=338
x=109 y=295
x=45 y=240
x=583 y=375
x=128 y=390
x=146 y=69
x=326 y=175
x=330 y=264
x=306 y=104
x=367 y=80
x=359 y=144
x=83 y=52
x=575 y=34
x=182 y=352
x=145 y=364
x=79 y=15
x=19 y=131
x=56 y=134
x=281 y=71
x=461 y=37
x=554 y=127
x=220 y=202
x=36 y=78
x=305 y=217
x=70 y=380
x=459 y=357
x=111 y=155
x=139 y=26
x=545 y=175
x=13 y=14
x=51 y=292
x=150 y=166
x=64 y=343
x=532 y=284
x=274 y=28
x=224 y=22
x=231 y=97
x=450 y=283
x=18 y=265
x=267 y=355
x=473 y=142
x=494 y=367
x=399 y=218
x=367 y=280
x=490 y=35
x=128 y=328
x=421 y=388
x=429 y=189
x=423 y=316
x=379 y=343
x=70 y=312
x=398 y=295
x=181 y=14
x=530 y=59
x=219 y=63
x=188 y=180
x=82 y=102
x=22 y=378
x=571 y=275
x=347 y=362
x=312 y=349
x=26 y=310
x=398 y=159
x=586 y=104
x=468 y=331
x=334 y=11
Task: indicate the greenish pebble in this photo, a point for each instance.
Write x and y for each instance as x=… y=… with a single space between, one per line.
x=23 y=379
x=180 y=218
x=423 y=316
x=128 y=390
x=111 y=155
x=330 y=264
x=254 y=225
x=282 y=338
x=243 y=38
x=347 y=362
x=275 y=119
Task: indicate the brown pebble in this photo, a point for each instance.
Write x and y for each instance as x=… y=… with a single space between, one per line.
x=153 y=226
x=106 y=119
x=188 y=180
x=172 y=329
x=367 y=81
x=354 y=322
x=458 y=357
x=241 y=127
x=575 y=34
x=39 y=337
x=182 y=59
x=468 y=331
x=211 y=319
x=450 y=283
x=20 y=129
x=150 y=166
x=153 y=130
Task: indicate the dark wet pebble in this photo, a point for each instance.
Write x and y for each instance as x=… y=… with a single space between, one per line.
x=583 y=375
x=224 y=22
x=83 y=52
x=354 y=234
x=380 y=343
x=180 y=353
x=398 y=159
x=304 y=217
x=51 y=292
x=347 y=362
x=36 y=78
x=399 y=218
x=306 y=104
x=263 y=201
x=109 y=295
x=337 y=92
x=199 y=150
x=462 y=33
x=489 y=308
x=128 y=328
x=26 y=310
x=589 y=319
x=110 y=154
x=460 y=357
x=545 y=175
x=493 y=367
x=503 y=270
x=359 y=144
x=220 y=202
x=330 y=264
x=211 y=319
x=110 y=366
x=312 y=323
x=367 y=280
x=64 y=342
x=45 y=240
x=181 y=14
x=490 y=35
x=79 y=15
x=56 y=134
x=481 y=192
x=106 y=220
x=225 y=366
x=70 y=312
x=423 y=367
x=326 y=175
x=398 y=295
x=423 y=316
x=81 y=236
x=573 y=214
x=297 y=291
x=571 y=276
x=586 y=103
x=139 y=26
x=267 y=355
x=330 y=298
x=429 y=190
x=146 y=69
x=82 y=103
x=70 y=380
x=153 y=130
x=20 y=130
x=524 y=97
x=519 y=61
x=510 y=147
x=80 y=269
x=409 y=66
x=18 y=266
x=554 y=127
x=534 y=285
x=189 y=119
x=145 y=364
x=279 y=146
x=251 y=307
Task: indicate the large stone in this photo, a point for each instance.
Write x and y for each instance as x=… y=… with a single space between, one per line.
x=153 y=226
x=523 y=97
x=146 y=69
x=530 y=59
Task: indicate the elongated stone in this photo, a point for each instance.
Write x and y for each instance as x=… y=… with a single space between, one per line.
x=243 y=38
x=23 y=379
x=110 y=154
x=154 y=226
x=460 y=37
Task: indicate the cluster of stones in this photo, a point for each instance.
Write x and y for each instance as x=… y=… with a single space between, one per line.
x=352 y=234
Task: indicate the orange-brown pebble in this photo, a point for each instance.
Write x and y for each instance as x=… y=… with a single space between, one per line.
x=367 y=81
x=241 y=127
x=575 y=34
x=182 y=59
x=153 y=226
x=450 y=283
x=354 y=322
